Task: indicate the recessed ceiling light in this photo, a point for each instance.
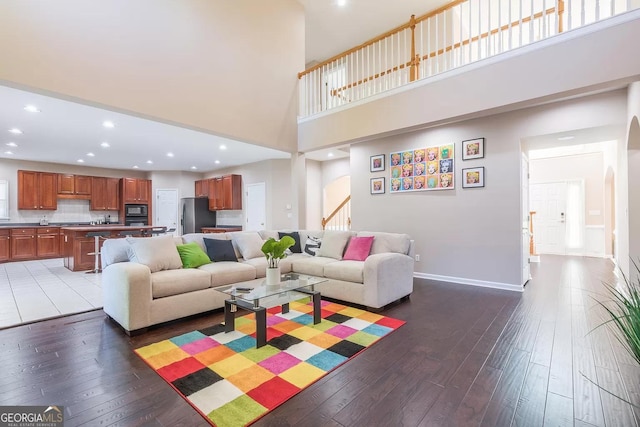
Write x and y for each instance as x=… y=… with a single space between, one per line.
x=15 y=131
x=193 y=167
x=80 y=160
x=330 y=154
x=341 y=3
x=8 y=152
x=150 y=162
x=31 y=109
x=11 y=144
x=135 y=166
x=169 y=154
x=565 y=138
x=223 y=147
x=217 y=162
x=108 y=124
x=105 y=144
x=91 y=155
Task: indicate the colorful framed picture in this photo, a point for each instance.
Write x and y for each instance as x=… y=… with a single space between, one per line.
x=422 y=169
x=473 y=149
x=377 y=185
x=473 y=177
x=377 y=163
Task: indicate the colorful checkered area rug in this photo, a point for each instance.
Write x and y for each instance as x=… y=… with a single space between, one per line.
x=232 y=383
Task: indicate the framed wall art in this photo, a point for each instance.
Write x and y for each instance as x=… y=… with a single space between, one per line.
x=377 y=185
x=377 y=163
x=473 y=177
x=473 y=149
x=422 y=169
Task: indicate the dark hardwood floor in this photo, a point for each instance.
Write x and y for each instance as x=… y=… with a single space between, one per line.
x=467 y=356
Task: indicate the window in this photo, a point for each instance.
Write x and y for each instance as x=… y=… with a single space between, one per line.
x=4 y=199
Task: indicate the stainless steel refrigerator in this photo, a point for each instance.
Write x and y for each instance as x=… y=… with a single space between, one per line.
x=196 y=214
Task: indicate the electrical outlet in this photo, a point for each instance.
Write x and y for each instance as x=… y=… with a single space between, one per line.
x=417 y=257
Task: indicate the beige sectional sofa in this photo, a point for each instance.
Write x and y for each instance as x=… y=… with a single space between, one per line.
x=144 y=283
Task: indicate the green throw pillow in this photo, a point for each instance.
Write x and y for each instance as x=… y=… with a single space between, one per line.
x=192 y=255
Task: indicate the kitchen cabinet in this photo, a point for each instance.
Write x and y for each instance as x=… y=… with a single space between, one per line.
x=221 y=229
x=225 y=193
x=23 y=243
x=47 y=242
x=202 y=188
x=5 y=245
x=105 y=194
x=136 y=190
x=73 y=186
x=37 y=190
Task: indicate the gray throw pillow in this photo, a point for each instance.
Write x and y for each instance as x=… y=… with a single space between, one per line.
x=157 y=253
x=333 y=244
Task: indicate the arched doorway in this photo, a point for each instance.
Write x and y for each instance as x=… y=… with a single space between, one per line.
x=335 y=210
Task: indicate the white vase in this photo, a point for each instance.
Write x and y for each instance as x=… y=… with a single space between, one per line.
x=273 y=276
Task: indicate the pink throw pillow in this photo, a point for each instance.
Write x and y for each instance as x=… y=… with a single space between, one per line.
x=358 y=249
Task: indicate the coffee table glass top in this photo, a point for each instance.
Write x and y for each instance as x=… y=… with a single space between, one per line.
x=288 y=282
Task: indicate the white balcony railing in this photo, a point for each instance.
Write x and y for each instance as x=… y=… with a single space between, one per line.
x=457 y=34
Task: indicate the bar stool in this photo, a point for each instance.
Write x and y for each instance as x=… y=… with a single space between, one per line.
x=156 y=231
x=97 y=235
x=130 y=233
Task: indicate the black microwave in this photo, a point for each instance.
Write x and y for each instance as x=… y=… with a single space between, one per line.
x=135 y=210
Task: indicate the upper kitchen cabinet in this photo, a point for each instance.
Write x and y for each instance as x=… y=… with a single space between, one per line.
x=225 y=193
x=136 y=190
x=37 y=190
x=74 y=186
x=202 y=188
x=105 y=194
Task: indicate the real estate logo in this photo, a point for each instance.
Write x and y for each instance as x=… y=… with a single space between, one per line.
x=31 y=416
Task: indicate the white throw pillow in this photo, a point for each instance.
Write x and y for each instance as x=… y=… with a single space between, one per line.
x=333 y=244
x=157 y=253
x=249 y=244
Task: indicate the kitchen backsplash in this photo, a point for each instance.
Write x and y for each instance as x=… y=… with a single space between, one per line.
x=229 y=218
x=69 y=210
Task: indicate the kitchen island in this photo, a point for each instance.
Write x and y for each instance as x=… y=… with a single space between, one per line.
x=77 y=246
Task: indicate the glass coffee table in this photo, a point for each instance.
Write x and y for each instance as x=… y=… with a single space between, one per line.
x=292 y=287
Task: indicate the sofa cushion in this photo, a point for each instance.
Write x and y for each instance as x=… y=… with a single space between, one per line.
x=313 y=266
x=248 y=243
x=192 y=255
x=228 y=272
x=296 y=248
x=173 y=282
x=312 y=245
x=358 y=248
x=349 y=271
x=113 y=251
x=220 y=250
x=388 y=242
x=157 y=253
x=333 y=244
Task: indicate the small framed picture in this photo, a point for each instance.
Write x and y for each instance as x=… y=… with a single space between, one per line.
x=377 y=163
x=473 y=177
x=473 y=149
x=377 y=185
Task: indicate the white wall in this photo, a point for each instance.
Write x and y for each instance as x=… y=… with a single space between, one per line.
x=217 y=66
x=471 y=234
x=314 y=194
x=631 y=217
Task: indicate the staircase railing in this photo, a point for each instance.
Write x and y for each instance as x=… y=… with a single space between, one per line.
x=462 y=32
x=340 y=218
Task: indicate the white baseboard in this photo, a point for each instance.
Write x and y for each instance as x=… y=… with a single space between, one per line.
x=472 y=282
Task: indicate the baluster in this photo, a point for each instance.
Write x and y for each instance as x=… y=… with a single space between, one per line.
x=437 y=50
x=421 y=53
x=461 y=59
x=544 y=19
x=470 y=32
x=510 y=30
x=428 y=60
x=598 y=10
x=499 y=44
x=531 y=21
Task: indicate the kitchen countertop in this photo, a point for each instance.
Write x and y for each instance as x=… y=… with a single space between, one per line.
x=51 y=224
x=107 y=227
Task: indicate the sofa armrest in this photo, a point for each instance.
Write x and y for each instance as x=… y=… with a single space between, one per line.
x=126 y=294
x=387 y=278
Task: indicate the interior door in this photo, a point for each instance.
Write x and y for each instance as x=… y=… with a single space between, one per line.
x=256 y=207
x=166 y=209
x=524 y=182
x=549 y=202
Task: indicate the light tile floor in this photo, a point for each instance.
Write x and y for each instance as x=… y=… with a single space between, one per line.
x=36 y=290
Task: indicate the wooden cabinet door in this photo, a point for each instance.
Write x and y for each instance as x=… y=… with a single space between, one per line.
x=202 y=188
x=48 y=245
x=48 y=186
x=231 y=192
x=5 y=245
x=111 y=194
x=130 y=190
x=98 y=193
x=82 y=185
x=215 y=194
x=66 y=184
x=144 y=191
x=28 y=190
x=23 y=244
